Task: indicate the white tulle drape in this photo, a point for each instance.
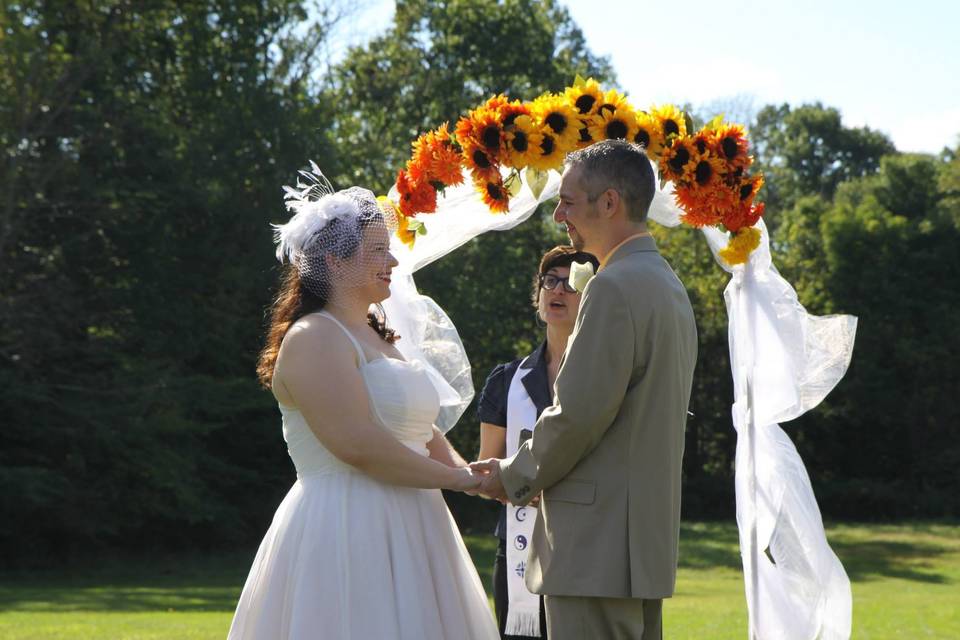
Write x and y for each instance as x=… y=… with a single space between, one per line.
x=784 y=362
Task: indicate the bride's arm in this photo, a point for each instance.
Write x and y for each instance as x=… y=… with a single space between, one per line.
x=442 y=451
x=317 y=366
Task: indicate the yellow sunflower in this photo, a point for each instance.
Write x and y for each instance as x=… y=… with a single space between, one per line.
x=708 y=169
x=612 y=100
x=671 y=120
x=550 y=154
x=522 y=142
x=585 y=97
x=510 y=111
x=649 y=134
x=407 y=235
x=620 y=123
x=556 y=113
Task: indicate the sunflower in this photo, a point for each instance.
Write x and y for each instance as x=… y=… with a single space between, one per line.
x=523 y=142
x=676 y=160
x=620 y=123
x=483 y=127
x=741 y=245
x=649 y=134
x=415 y=197
x=671 y=120
x=510 y=111
x=585 y=96
x=612 y=100
x=437 y=158
x=494 y=194
x=732 y=145
x=556 y=114
x=749 y=186
x=480 y=163
x=551 y=154
x=708 y=169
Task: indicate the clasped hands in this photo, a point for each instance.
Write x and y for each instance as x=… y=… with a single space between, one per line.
x=491 y=486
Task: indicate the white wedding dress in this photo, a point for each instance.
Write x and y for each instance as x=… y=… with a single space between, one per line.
x=350 y=558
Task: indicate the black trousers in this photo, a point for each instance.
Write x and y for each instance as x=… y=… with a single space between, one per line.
x=500 y=600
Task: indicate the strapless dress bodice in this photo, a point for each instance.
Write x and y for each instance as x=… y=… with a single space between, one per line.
x=402 y=399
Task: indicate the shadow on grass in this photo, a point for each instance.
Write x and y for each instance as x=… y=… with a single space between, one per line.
x=181 y=583
x=920 y=552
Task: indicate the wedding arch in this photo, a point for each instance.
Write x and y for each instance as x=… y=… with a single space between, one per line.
x=492 y=171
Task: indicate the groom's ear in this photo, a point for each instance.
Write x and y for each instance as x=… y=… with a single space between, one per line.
x=609 y=202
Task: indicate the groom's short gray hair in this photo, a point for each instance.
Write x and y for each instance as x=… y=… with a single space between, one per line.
x=619 y=165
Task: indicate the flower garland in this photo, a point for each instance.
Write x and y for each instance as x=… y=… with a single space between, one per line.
x=708 y=167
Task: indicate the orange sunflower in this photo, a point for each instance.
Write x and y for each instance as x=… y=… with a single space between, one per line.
x=676 y=160
x=732 y=145
x=480 y=163
x=494 y=194
x=482 y=127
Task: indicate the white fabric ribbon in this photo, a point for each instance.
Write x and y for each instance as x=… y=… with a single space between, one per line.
x=523 y=611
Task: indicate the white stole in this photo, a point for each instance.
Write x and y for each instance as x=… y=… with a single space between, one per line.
x=523 y=612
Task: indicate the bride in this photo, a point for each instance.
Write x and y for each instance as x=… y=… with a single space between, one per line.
x=363 y=545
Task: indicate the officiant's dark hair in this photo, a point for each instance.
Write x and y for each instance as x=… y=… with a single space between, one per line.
x=619 y=165
x=560 y=256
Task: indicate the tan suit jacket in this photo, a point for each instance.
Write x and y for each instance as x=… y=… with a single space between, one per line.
x=607 y=455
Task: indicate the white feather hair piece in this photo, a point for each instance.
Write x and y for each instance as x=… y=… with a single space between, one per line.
x=314 y=205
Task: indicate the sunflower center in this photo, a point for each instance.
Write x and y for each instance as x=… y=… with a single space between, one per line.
x=704 y=172
x=670 y=127
x=701 y=146
x=557 y=122
x=681 y=158
x=519 y=141
x=585 y=135
x=585 y=103
x=616 y=129
x=510 y=118
x=547 y=146
x=491 y=137
x=746 y=190
x=605 y=108
x=730 y=147
x=494 y=191
x=642 y=137
x=480 y=159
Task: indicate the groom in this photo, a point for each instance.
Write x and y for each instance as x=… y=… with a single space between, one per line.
x=607 y=455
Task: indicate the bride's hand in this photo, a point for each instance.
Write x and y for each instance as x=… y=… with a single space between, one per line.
x=464 y=479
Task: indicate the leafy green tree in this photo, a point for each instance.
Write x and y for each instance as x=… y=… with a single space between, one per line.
x=808 y=150
x=145 y=145
x=884 y=444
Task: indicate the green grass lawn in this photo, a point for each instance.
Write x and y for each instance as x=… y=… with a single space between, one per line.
x=906 y=584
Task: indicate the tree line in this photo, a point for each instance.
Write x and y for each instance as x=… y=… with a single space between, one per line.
x=144 y=147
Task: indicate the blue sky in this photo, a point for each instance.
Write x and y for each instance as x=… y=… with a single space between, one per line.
x=889 y=65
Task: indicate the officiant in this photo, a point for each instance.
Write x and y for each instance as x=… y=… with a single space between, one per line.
x=512 y=399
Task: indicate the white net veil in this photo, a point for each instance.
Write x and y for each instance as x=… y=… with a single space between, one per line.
x=338 y=241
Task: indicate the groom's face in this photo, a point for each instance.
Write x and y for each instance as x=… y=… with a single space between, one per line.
x=575 y=210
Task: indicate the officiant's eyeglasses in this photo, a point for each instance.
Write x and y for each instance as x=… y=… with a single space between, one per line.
x=549 y=282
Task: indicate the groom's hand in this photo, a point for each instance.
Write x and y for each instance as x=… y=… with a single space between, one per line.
x=492 y=485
